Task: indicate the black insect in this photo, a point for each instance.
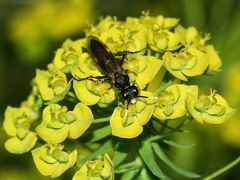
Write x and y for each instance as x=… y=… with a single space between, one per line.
x=113 y=69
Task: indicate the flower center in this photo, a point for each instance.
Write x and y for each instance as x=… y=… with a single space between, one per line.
x=208 y=104
x=94 y=168
x=55 y=150
x=22 y=121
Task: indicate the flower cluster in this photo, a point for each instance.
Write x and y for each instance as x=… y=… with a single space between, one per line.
x=69 y=103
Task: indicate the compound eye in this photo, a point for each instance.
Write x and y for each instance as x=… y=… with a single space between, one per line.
x=134 y=91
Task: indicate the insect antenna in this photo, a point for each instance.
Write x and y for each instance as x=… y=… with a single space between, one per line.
x=142 y=97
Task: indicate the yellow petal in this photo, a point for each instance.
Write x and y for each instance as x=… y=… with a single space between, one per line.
x=52 y=135
x=177 y=108
x=174 y=65
x=210 y=115
x=42 y=82
x=83 y=94
x=19 y=146
x=130 y=131
x=144 y=108
x=215 y=61
x=200 y=66
x=147 y=75
x=84 y=120
x=170 y=22
x=85 y=67
x=57 y=61
x=17 y=119
x=51 y=169
x=107 y=171
x=8 y=123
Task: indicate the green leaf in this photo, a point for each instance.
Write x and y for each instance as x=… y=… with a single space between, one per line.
x=137 y=164
x=159 y=152
x=121 y=153
x=100 y=151
x=147 y=155
x=100 y=133
x=130 y=174
x=144 y=175
x=174 y=144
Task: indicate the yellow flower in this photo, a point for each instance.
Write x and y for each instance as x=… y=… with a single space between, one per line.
x=163 y=40
x=159 y=35
x=69 y=53
x=188 y=62
x=98 y=169
x=215 y=62
x=104 y=25
x=190 y=37
x=16 y=124
x=212 y=109
x=121 y=36
x=142 y=69
x=158 y=22
x=171 y=102
x=52 y=161
x=58 y=123
x=92 y=92
x=128 y=123
x=85 y=67
x=52 y=83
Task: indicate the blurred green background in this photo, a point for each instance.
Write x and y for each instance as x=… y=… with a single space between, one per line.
x=32 y=30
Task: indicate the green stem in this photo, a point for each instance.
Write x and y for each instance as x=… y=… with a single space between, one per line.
x=101 y=120
x=222 y=170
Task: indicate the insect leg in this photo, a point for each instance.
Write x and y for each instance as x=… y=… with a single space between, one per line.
x=92 y=78
x=123 y=57
x=125 y=53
